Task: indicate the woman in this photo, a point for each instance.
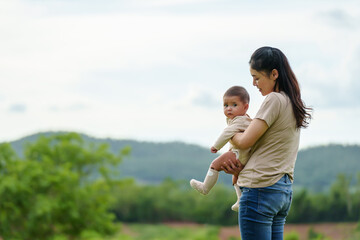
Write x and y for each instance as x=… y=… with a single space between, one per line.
x=273 y=135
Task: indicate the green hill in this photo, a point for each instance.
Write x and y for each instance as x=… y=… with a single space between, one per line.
x=317 y=167
x=150 y=162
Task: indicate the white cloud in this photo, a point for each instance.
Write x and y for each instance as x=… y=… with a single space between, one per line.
x=17 y=108
x=340 y=18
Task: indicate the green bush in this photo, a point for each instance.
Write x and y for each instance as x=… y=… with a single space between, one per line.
x=312 y=235
x=52 y=191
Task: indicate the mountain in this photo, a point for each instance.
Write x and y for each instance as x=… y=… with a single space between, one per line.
x=150 y=162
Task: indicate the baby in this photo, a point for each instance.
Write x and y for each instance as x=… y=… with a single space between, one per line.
x=236 y=103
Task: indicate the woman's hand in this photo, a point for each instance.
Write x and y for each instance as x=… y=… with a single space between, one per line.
x=232 y=166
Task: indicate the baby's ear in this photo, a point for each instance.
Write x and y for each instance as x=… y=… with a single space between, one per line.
x=246 y=106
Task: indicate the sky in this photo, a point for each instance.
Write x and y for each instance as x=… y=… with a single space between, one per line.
x=156 y=70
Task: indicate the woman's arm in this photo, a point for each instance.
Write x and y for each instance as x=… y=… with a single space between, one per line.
x=253 y=133
x=244 y=141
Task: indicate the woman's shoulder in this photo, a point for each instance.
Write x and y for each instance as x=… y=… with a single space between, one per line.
x=276 y=101
x=277 y=96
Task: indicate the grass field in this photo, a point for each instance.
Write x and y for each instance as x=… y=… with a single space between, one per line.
x=190 y=231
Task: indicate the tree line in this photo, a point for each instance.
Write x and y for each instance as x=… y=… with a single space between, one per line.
x=176 y=201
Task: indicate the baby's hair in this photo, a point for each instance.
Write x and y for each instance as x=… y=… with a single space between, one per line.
x=237 y=91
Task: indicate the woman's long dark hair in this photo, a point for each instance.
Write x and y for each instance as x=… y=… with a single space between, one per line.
x=266 y=59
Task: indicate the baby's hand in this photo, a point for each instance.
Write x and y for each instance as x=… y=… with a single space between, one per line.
x=213 y=150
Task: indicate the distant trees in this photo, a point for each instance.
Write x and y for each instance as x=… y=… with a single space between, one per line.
x=52 y=191
x=176 y=201
x=340 y=203
x=173 y=201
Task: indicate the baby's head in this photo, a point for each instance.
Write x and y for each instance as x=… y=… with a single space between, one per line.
x=236 y=102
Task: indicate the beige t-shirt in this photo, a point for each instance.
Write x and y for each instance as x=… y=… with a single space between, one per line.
x=274 y=154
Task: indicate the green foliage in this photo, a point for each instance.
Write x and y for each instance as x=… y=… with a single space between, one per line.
x=173 y=201
x=50 y=192
x=292 y=236
x=339 y=204
x=176 y=201
x=312 y=235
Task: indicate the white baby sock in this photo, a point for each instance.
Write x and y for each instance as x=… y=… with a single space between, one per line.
x=209 y=182
x=236 y=205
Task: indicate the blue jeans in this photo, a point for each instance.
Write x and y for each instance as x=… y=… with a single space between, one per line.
x=263 y=211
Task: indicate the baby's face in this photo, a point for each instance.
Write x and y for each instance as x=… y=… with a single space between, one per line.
x=233 y=107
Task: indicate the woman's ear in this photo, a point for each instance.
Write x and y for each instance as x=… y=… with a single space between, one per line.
x=274 y=74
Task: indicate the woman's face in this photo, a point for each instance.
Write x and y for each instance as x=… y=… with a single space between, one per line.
x=263 y=82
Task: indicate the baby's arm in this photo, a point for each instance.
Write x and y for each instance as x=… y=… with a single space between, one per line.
x=213 y=149
x=236 y=125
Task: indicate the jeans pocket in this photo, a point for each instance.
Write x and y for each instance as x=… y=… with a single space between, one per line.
x=244 y=199
x=270 y=202
x=287 y=206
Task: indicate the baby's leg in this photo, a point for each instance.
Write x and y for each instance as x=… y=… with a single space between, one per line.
x=235 y=206
x=234 y=179
x=209 y=182
x=219 y=161
x=213 y=173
